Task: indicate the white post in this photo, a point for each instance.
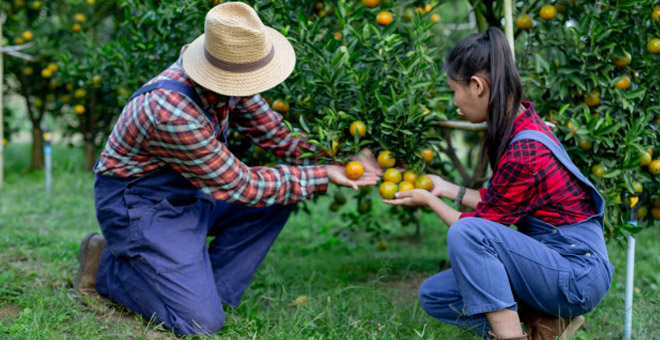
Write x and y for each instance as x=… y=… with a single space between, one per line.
x=630 y=271
x=508 y=25
x=48 y=151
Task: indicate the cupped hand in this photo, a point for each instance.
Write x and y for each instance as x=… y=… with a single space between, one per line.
x=439 y=185
x=337 y=175
x=411 y=198
x=369 y=162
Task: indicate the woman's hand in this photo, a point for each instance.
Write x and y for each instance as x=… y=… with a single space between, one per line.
x=337 y=175
x=440 y=185
x=411 y=198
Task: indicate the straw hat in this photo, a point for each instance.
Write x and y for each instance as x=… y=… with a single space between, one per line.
x=238 y=55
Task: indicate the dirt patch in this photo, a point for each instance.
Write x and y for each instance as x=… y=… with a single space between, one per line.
x=9 y=312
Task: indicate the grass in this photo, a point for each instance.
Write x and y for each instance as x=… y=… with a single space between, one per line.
x=354 y=290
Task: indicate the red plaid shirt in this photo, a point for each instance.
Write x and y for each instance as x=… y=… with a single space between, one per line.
x=163 y=127
x=531 y=181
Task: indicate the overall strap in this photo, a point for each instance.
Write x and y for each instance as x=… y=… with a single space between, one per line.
x=185 y=90
x=560 y=153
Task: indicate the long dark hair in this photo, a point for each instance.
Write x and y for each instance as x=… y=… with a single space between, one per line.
x=488 y=54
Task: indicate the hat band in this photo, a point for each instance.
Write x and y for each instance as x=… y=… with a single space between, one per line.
x=239 y=67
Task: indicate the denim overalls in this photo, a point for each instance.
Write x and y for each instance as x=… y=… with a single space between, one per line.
x=157 y=262
x=560 y=270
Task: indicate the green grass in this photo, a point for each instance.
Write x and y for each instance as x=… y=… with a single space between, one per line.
x=354 y=290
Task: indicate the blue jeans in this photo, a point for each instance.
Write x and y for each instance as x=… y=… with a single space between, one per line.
x=561 y=271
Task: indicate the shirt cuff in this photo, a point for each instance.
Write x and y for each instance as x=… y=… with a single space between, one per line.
x=318 y=179
x=482 y=192
x=467 y=214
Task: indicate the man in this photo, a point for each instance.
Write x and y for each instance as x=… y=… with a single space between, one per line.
x=166 y=181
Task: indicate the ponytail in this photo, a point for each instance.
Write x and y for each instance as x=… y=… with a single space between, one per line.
x=488 y=53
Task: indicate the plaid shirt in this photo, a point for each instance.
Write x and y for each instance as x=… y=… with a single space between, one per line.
x=531 y=181
x=164 y=127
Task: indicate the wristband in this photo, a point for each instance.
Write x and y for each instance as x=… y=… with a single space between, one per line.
x=459 y=196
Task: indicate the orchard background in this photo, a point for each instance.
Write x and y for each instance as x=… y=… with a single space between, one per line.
x=590 y=67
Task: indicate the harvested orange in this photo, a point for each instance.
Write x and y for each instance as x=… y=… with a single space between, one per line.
x=387 y=190
x=280 y=106
x=654 y=167
x=424 y=182
x=354 y=170
x=384 y=18
x=623 y=83
x=370 y=3
x=427 y=155
x=524 y=22
x=548 y=12
x=409 y=176
x=358 y=127
x=405 y=186
x=385 y=160
x=392 y=175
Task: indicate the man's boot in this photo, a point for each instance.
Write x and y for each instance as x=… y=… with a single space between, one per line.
x=524 y=336
x=89 y=255
x=541 y=326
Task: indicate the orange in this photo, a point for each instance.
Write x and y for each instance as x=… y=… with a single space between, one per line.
x=281 y=106
x=654 y=167
x=622 y=61
x=79 y=109
x=5 y=142
x=637 y=187
x=424 y=182
x=654 y=45
x=572 y=128
x=598 y=170
x=384 y=18
x=358 y=127
x=79 y=17
x=623 y=83
x=27 y=71
x=409 y=176
x=548 y=12
x=427 y=7
x=79 y=93
x=53 y=67
x=65 y=98
x=392 y=175
x=337 y=36
x=656 y=213
x=644 y=158
x=427 y=155
x=27 y=35
x=354 y=170
x=435 y=17
x=584 y=144
x=387 y=190
x=592 y=98
x=524 y=22
x=364 y=206
x=335 y=149
x=36 y=5
x=405 y=186
x=642 y=212
x=385 y=160
x=650 y=151
x=655 y=14
x=97 y=79
x=370 y=3
x=19 y=41
x=76 y=27
x=46 y=73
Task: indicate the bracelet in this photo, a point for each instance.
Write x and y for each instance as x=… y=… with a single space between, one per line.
x=459 y=196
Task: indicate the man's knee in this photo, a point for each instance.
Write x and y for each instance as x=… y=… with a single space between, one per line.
x=199 y=321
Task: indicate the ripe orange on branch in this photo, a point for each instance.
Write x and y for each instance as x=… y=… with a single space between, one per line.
x=358 y=127
x=281 y=106
x=548 y=12
x=427 y=155
x=384 y=18
x=654 y=167
x=654 y=45
x=524 y=22
x=623 y=83
x=622 y=61
x=370 y=3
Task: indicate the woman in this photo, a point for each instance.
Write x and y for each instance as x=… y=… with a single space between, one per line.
x=554 y=267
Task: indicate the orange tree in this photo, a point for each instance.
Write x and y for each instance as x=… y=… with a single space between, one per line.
x=599 y=83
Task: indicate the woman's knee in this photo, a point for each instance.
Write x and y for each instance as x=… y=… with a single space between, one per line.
x=463 y=230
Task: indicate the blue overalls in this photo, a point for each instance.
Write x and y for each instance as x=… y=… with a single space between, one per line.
x=157 y=262
x=562 y=270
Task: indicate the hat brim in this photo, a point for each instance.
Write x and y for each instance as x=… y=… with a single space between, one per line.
x=240 y=84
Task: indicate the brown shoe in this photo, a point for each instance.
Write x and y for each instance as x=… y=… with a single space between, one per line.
x=89 y=255
x=541 y=326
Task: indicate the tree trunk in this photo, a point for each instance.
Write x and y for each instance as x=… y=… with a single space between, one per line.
x=90 y=155
x=37 y=148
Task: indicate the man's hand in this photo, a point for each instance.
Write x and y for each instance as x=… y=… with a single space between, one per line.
x=411 y=198
x=337 y=175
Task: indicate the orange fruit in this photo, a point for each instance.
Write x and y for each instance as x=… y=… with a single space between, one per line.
x=524 y=22
x=592 y=98
x=281 y=106
x=656 y=213
x=358 y=127
x=385 y=160
x=548 y=12
x=337 y=36
x=645 y=158
x=654 y=45
x=76 y=27
x=36 y=5
x=572 y=128
x=584 y=144
x=387 y=190
x=435 y=17
x=19 y=41
x=27 y=71
x=622 y=61
x=79 y=17
x=598 y=170
x=79 y=109
x=650 y=151
x=53 y=67
x=655 y=14
x=642 y=212
x=354 y=170
x=623 y=83
x=384 y=18
x=335 y=149
x=46 y=73
x=427 y=7
x=405 y=186
x=409 y=176
x=370 y=3
x=427 y=155
x=424 y=182
x=79 y=93
x=97 y=79
x=637 y=187
x=654 y=167
x=392 y=175
x=27 y=35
